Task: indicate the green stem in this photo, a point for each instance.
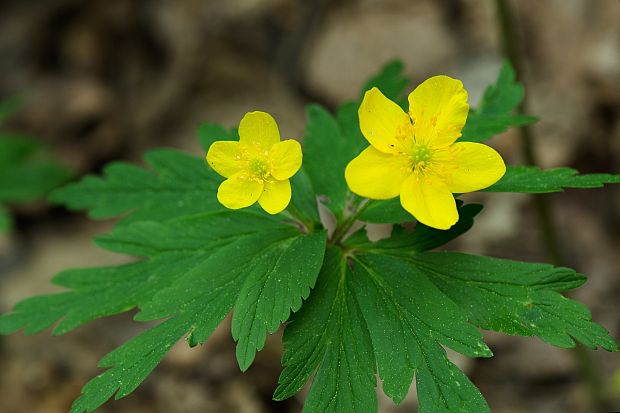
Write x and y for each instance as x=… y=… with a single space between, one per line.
x=586 y=364
x=295 y=214
x=343 y=229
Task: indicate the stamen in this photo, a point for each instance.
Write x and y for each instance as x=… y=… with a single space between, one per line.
x=421 y=158
x=258 y=168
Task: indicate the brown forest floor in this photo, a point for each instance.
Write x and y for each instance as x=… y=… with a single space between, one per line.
x=107 y=80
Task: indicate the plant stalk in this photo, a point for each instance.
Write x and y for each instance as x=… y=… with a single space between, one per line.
x=342 y=230
x=586 y=364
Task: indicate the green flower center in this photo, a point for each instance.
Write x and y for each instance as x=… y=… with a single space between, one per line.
x=258 y=168
x=420 y=155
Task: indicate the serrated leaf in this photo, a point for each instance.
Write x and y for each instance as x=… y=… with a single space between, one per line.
x=178 y=184
x=515 y=298
x=531 y=179
x=329 y=333
x=495 y=113
x=409 y=319
x=130 y=364
x=375 y=309
x=197 y=269
x=276 y=285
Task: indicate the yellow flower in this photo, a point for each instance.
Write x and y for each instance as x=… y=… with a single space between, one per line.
x=415 y=155
x=258 y=167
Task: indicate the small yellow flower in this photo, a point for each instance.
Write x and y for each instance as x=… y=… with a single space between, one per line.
x=258 y=167
x=415 y=155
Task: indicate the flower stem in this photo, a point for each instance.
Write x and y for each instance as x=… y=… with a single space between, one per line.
x=587 y=366
x=305 y=225
x=342 y=230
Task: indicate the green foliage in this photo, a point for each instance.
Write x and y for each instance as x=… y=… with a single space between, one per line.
x=178 y=184
x=422 y=238
x=515 y=298
x=391 y=82
x=495 y=113
x=531 y=179
x=26 y=170
x=353 y=308
x=375 y=310
x=339 y=137
x=6 y=221
x=188 y=278
x=385 y=212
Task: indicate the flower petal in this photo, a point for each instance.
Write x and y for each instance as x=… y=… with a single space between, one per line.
x=377 y=175
x=380 y=120
x=258 y=129
x=439 y=109
x=477 y=166
x=276 y=196
x=224 y=157
x=239 y=191
x=429 y=200
x=285 y=159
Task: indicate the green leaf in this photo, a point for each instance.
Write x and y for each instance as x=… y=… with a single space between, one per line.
x=329 y=333
x=495 y=113
x=391 y=82
x=376 y=311
x=6 y=220
x=515 y=298
x=196 y=270
x=531 y=179
x=303 y=201
x=16 y=149
x=421 y=238
x=179 y=184
x=26 y=173
x=130 y=364
x=409 y=319
x=386 y=212
x=211 y=132
x=339 y=137
x=274 y=287
x=325 y=137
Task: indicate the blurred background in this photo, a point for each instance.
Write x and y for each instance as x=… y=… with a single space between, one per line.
x=106 y=80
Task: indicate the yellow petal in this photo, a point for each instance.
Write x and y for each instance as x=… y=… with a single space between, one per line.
x=429 y=200
x=380 y=120
x=258 y=129
x=239 y=191
x=439 y=109
x=477 y=166
x=285 y=159
x=224 y=157
x=377 y=175
x=276 y=196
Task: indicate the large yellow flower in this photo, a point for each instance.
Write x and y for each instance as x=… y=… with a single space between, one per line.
x=258 y=167
x=415 y=155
